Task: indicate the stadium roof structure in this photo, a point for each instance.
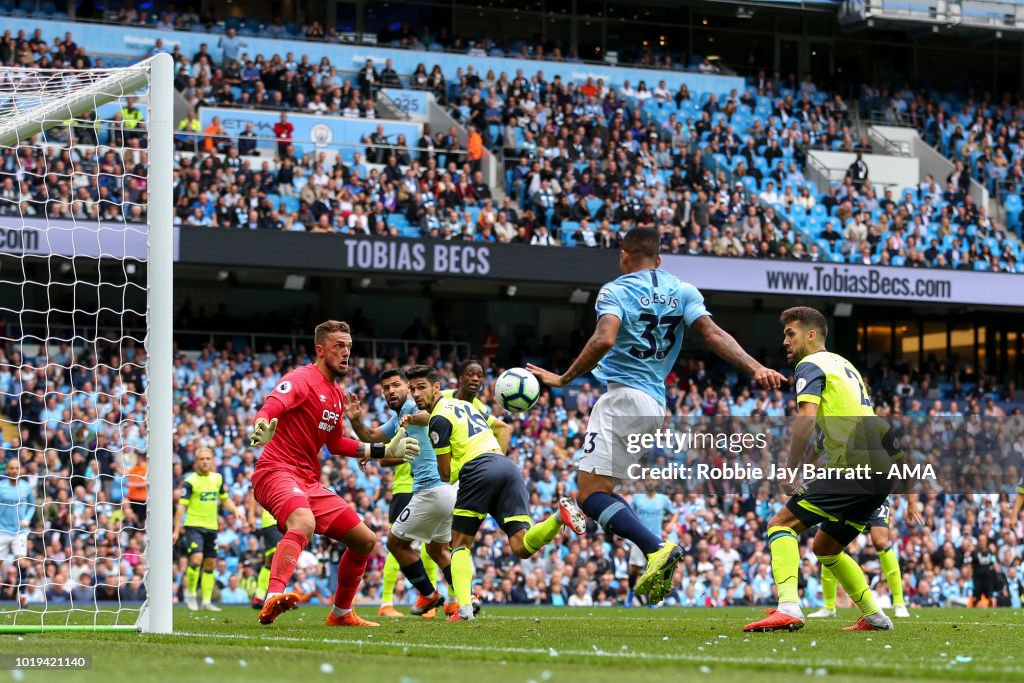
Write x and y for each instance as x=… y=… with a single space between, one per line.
x=935 y=15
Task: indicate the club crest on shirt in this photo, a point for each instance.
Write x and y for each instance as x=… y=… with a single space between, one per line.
x=284 y=387
x=323 y=399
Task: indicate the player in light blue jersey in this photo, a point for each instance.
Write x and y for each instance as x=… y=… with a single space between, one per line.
x=641 y=318
x=652 y=509
x=427 y=517
x=17 y=507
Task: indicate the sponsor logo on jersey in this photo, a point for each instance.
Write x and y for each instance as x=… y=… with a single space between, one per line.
x=329 y=420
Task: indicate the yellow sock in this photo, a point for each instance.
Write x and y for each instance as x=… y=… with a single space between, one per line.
x=829 y=587
x=192 y=577
x=891 y=568
x=428 y=563
x=848 y=572
x=391 y=570
x=208 y=583
x=462 y=575
x=263 y=582
x=785 y=549
x=539 y=535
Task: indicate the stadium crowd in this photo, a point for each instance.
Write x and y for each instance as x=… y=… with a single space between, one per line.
x=82 y=448
x=401 y=35
x=717 y=174
x=982 y=134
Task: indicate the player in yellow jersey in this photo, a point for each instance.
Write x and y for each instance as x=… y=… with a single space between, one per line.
x=469 y=454
x=201 y=496
x=271 y=536
x=471 y=380
x=841 y=497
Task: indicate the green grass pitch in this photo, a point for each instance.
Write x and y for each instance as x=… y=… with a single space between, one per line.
x=541 y=645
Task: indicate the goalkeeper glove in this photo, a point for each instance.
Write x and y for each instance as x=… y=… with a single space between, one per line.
x=262 y=432
x=402 y=446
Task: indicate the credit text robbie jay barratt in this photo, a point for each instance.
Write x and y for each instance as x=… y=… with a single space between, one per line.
x=806 y=472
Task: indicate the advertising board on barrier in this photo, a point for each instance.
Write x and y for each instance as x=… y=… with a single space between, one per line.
x=412 y=103
x=396 y=256
x=340 y=253
x=847 y=281
x=592 y=268
x=323 y=131
x=39 y=237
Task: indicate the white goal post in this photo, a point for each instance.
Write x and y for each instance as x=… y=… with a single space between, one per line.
x=76 y=230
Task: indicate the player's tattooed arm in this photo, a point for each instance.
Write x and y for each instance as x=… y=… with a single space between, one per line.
x=723 y=344
x=595 y=349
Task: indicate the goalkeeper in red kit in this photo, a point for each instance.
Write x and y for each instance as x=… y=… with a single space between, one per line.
x=301 y=416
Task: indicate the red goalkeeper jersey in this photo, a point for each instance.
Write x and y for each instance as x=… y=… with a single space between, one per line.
x=309 y=410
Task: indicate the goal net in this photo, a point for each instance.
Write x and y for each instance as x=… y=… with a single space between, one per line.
x=85 y=347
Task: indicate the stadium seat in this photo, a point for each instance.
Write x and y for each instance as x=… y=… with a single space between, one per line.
x=291 y=203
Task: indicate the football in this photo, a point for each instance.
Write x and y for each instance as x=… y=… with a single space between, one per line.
x=517 y=390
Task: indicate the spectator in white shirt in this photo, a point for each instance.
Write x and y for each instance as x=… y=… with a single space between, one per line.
x=769 y=195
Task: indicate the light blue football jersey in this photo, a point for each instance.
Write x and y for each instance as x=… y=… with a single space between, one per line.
x=651 y=511
x=424 y=467
x=653 y=306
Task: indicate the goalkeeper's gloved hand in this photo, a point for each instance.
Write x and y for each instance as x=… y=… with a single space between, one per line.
x=402 y=446
x=262 y=432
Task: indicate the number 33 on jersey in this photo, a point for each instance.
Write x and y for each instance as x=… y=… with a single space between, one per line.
x=652 y=306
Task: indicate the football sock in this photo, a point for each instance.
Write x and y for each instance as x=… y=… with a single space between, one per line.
x=891 y=568
x=387 y=587
x=350 y=573
x=208 y=582
x=848 y=572
x=429 y=566
x=285 y=557
x=785 y=549
x=829 y=587
x=192 y=576
x=462 y=575
x=539 y=535
x=616 y=517
x=417 y=575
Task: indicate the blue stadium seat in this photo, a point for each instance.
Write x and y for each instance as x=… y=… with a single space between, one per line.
x=290 y=203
